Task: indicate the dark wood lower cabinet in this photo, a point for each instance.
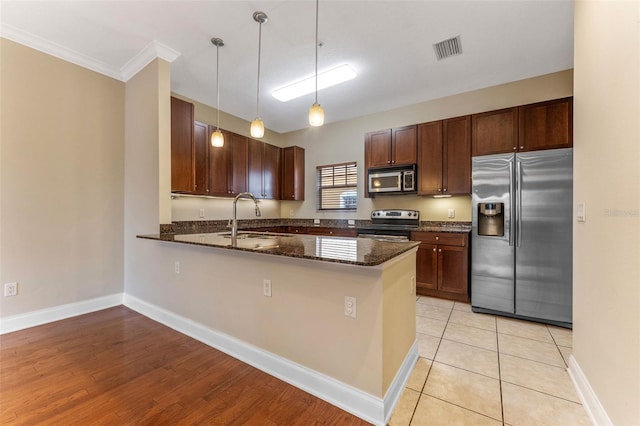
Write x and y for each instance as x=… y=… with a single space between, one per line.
x=442 y=265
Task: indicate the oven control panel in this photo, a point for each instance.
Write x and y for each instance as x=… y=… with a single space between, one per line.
x=395 y=214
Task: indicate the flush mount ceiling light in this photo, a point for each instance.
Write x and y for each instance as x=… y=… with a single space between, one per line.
x=217 y=139
x=257 y=126
x=316 y=113
x=326 y=79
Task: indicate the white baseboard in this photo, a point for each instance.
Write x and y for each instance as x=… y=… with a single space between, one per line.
x=400 y=381
x=588 y=397
x=57 y=313
x=361 y=404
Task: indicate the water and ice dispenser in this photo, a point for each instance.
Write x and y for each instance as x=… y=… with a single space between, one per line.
x=491 y=219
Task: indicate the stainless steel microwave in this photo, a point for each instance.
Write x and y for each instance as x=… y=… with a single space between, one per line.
x=392 y=180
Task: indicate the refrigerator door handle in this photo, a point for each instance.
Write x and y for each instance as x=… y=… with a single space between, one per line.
x=519 y=202
x=511 y=205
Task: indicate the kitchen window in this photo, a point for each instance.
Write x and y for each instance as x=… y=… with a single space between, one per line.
x=337 y=187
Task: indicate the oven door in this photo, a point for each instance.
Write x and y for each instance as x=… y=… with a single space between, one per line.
x=393 y=235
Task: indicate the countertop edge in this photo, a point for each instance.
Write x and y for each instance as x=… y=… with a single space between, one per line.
x=409 y=245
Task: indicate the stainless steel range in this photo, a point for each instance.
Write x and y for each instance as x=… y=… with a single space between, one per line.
x=391 y=225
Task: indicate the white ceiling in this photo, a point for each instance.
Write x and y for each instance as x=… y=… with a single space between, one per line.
x=388 y=43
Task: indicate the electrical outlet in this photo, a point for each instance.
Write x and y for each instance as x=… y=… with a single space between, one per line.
x=176 y=267
x=201 y=213
x=350 y=306
x=266 y=287
x=351 y=222
x=452 y=213
x=316 y=221
x=10 y=289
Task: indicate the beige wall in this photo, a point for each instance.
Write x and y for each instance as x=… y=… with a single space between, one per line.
x=606 y=338
x=147 y=108
x=344 y=141
x=61 y=182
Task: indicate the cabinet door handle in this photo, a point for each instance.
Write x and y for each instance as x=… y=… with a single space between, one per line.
x=515 y=147
x=439 y=189
x=434 y=249
x=445 y=190
x=437 y=238
x=439 y=250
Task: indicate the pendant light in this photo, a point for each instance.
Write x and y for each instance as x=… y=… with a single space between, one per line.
x=316 y=113
x=257 y=126
x=217 y=139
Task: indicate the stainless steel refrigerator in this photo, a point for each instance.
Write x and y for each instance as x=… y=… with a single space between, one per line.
x=521 y=264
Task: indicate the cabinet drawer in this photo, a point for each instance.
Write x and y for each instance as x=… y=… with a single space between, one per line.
x=442 y=238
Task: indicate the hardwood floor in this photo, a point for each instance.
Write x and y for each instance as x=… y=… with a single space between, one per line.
x=118 y=367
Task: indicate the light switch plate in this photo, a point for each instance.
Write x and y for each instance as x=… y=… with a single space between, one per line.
x=581 y=215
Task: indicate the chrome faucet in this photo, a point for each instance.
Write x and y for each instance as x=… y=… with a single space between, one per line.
x=234 y=224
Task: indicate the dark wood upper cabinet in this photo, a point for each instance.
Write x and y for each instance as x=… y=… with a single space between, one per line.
x=444 y=157
x=219 y=164
x=456 y=173
x=494 y=132
x=255 y=160
x=292 y=173
x=391 y=147
x=264 y=170
x=546 y=125
x=240 y=165
x=533 y=127
x=430 y=149
x=238 y=160
x=201 y=160
x=378 y=148
x=271 y=172
x=182 y=146
x=404 y=142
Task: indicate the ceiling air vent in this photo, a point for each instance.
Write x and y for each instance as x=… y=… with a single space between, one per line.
x=447 y=48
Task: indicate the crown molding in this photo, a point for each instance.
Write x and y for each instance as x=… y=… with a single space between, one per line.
x=150 y=52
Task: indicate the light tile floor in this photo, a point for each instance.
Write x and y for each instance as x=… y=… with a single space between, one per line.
x=480 y=369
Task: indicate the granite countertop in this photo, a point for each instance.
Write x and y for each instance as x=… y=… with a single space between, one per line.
x=355 y=251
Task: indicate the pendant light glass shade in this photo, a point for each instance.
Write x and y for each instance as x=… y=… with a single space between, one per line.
x=257 y=126
x=316 y=115
x=217 y=139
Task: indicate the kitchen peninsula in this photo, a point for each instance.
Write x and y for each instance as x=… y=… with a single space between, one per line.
x=334 y=316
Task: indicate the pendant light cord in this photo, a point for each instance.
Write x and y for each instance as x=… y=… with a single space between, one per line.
x=258 y=89
x=317 y=51
x=218 y=85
